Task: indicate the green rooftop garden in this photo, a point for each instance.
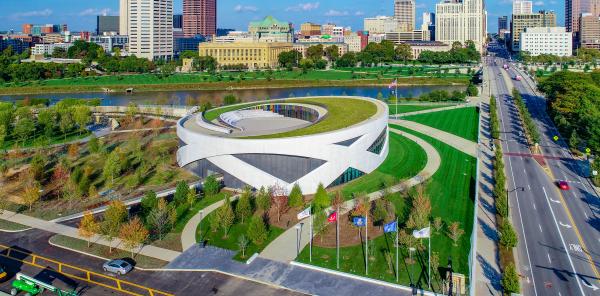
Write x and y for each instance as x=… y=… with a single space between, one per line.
x=342 y=113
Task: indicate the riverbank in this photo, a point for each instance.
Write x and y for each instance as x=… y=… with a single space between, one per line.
x=99 y=86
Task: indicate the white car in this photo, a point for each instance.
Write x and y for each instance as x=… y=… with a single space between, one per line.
x=117 y=266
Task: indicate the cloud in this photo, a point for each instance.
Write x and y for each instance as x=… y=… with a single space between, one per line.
x=359 y=13
x=245 y=8
x=40 y=13
x=94 y=11
x=333 y=12
x=304 y=6
x=539 y=3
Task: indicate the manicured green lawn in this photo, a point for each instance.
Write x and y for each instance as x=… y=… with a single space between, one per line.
x=463 y=122
x=400 y=109
x=405 y=160
x=42 y=141
x=451 y=190
x=230 y=242
x=342 y=112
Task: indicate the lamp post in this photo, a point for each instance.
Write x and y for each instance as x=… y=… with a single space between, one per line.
x=507 y=200
x=298 y=227
x=200 y=240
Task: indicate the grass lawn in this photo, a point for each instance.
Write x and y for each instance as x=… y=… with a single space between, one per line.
x=451 y=190
x=11 y=226
x=42 y=141
x=342 y=112
x=230 y=242
x=463 y=122
x=400 y=109
x=103 y=251
x=405 y=160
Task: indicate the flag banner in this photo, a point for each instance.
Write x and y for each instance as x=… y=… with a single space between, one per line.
x=359 y=221
x=332 y=217
x=423 y=233
x=390 y=227
x=394 y=84
x=304 y=214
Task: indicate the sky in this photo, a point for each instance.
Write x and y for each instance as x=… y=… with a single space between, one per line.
x=235 y=14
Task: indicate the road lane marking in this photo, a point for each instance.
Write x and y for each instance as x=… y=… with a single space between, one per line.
x=529 y=186
x=534 y=207
x=562 y=240
x=540 y=225
x=564 y=225
x=554 y=201
x=549 y=260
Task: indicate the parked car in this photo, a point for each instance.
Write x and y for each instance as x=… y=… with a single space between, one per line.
x=563 y=185
x=2 y=272
x=117 y=266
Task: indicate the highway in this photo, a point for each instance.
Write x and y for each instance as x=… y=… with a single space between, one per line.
x=558 y=241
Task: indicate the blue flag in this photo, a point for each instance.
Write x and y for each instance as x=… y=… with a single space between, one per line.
x=359 y=221
x=390 y=227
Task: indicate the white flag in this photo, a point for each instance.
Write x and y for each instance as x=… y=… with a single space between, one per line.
x=304 y=214
x=423 y=233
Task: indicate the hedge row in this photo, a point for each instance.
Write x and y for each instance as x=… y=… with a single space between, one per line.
x=528 y=123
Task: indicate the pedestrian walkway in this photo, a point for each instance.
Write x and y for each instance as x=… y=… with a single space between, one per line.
x=149 y=251
x=281 y=274
x=457 y=142
x=487 y=274
x=284 y=249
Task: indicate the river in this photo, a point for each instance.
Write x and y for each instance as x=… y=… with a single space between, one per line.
x=189 y=97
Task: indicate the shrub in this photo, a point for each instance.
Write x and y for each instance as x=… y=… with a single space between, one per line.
x=257 y=231
x=510 y=280
x=508 y=236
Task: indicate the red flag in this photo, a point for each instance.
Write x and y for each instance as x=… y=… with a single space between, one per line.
x=332 y=217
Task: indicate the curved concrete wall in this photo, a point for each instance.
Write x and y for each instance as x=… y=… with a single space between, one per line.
x=220 y=151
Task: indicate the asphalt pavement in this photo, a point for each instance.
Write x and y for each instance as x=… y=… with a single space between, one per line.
x=554 y=255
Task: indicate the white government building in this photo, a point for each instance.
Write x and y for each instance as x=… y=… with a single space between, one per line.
x=546 y=40
x=237 y=145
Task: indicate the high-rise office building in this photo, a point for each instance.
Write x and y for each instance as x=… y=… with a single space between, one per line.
x=107 y=24
x=429 y=24
x=575 y=8
x=502 y=24
x=178 y=21
x=151 y=34
x=124 y=17
x=522 y=7
x=521 y=21
x=199 y=17
x=546 y=40
x=457 y=20
x=589 y=31
x=404 y=12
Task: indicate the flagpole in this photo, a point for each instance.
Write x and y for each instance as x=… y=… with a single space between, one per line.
x=429 y=260
x=367 y=243
x=397 y=264
x=311 y=235
x=396 y=97
x=337 y=232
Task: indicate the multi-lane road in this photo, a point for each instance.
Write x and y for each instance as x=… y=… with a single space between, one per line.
x=559 y=244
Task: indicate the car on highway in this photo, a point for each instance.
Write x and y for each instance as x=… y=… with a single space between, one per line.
x=563 y=185
x=118 y=266
x=2 y=272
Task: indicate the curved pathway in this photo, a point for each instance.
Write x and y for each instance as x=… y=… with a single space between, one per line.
x=461 y=144
x=284 y=249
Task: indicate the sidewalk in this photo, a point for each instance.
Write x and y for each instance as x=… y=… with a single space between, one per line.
x=150 y=251
x=284 y=249
x=487 y=271
x=457 y=142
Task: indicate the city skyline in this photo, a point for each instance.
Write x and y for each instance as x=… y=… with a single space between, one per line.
x=80 y=16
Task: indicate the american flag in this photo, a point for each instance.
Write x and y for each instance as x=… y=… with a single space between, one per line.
x=394 y=84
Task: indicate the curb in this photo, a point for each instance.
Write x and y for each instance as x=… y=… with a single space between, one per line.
x=95 y=256
x=361 y=278
x=15 y=231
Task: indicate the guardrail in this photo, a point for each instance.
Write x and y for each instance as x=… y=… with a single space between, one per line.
x=80 y=273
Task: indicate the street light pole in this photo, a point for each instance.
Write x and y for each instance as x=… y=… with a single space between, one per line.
x=200 y=228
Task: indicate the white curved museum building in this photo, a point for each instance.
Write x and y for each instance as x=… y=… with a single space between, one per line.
x=284 y=142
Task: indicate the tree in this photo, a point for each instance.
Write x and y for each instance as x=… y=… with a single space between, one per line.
x=162 y=217
x=257 y=231
x=455 y=232
x=94 y=144
x=403 y=52
x=112 y=166
x=24 y=128
x=37 y=166
x=31 y=194
x=133 y=234
x=243 y=208
x=148 y=203
x=295 y=197
x=211 y=185
x=321 y=200
x=332 y=52
x=263 y=199
x=421 y=209
x=226 y=216
x=306 y=64
x=348 y=60
x=243 y=244
x=289 y=59
x=114 y=216
x=181 y=192
x=132 y=111
x=574 y=140
x=65 y=121
x=472 y=90
x=380 y=212
x=82 y=115
x=191 y=196
x=73 y=150
x=510 y=280
x=314 y=52
x=2 y=136
x=230 y=99
x=438 y=224
x=88 y=227
x=508 y=236
x=59 y=53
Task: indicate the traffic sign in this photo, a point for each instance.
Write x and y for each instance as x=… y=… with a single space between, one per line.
x=555 y=138
x=588 y=151
x=595 y=173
